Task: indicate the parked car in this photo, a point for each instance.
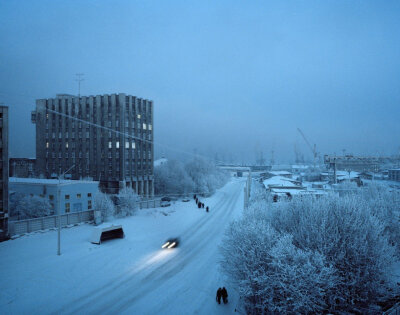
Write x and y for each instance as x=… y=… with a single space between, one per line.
x=185 y=199
x=165 y=199
x=165 y=203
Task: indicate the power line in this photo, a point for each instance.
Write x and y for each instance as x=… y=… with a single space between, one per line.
x=116 y=131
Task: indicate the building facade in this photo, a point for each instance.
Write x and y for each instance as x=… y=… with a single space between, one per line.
x=106 y=137
x=3 y=172
x=22 y=167
x=394 y=174
x=67 y=195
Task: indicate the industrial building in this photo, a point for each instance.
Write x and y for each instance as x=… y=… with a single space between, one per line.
x=22 y=167
x=3 y=172
x=108 y=138
x=394 y=174
x=66 y=195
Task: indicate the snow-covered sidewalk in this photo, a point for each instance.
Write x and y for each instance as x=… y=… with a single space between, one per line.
x=130 y=275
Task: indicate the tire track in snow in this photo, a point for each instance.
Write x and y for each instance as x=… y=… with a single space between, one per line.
x=135 y=281
x=163 y=273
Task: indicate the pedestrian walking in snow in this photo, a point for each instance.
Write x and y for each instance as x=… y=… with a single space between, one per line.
x=207 y=209
x=219 y=295
x=224 y=294
x=194 y=197
x=199 y=205
x=202 y=205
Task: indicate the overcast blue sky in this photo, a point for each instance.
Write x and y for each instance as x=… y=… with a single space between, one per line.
x=231 y=76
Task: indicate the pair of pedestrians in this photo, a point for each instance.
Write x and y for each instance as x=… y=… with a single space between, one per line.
x=222 y=293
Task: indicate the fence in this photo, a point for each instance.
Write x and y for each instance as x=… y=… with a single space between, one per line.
x=146 y=204
x=43 y=223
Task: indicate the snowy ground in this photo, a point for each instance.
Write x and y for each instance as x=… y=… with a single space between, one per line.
x=131 y=275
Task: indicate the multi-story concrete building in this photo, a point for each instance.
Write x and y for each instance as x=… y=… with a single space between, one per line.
x=106 y=137
x=3 y=172
x=22 y=167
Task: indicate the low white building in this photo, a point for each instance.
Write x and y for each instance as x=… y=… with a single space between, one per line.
x=75 y=195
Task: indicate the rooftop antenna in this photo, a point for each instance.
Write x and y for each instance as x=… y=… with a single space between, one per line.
x=79 y=79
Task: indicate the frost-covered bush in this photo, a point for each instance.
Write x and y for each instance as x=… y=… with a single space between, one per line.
x=198 y=176
x=172 y=178
x=127 y=202
x=104 y=204
x=27 y=207
x=330 y=254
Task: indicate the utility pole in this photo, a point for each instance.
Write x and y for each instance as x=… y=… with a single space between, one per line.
x=79 y=79
x=59 y=208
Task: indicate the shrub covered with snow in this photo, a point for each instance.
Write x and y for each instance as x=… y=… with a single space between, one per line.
x=28 y=207
x=127 y=202
x=329 y=254
x=104 y=204
x=197 y=175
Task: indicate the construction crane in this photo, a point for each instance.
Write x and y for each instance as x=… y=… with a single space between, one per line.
x=312 y=148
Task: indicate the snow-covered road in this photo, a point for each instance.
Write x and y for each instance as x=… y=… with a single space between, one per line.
x=133 y=275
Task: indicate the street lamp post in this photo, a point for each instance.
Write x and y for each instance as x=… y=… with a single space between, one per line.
x=59 y=209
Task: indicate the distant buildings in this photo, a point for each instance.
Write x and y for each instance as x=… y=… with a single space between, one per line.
x=394 y=174
x=3 y=172
x=75 y=196
x=115 y=147
x=22 y=167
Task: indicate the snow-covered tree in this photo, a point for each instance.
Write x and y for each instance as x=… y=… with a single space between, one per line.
x=329 y=254
x=127 y=202
x=104 y=204
x=197 y=175
x=172 y=178
x=27 y=207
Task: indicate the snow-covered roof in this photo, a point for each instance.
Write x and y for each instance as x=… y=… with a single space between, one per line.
x=160 y=161
x=278 y=173
x=279 y=181
x=44 y=181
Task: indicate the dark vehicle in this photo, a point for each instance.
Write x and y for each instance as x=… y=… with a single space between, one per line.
x=171 y=243
x=165 y=199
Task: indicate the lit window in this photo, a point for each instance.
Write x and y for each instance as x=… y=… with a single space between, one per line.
x=66 y=197
x=138 y=116
x=66 y=145
x=109 y=144
x=47 y=145
x=117 y=144
x=133 y=145
x=59 y=135
x=144 y=126
x=127 y=145
x=150 y=127
x=78 y=196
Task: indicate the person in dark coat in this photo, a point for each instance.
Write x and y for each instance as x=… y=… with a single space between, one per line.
x=194 y=197
x=207 y=209
x=224 y=294
x=202 y=205
x=219 y=295
x=199 y=205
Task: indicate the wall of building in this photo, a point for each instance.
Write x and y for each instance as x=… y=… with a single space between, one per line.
x=74 y=196
x=3 y=172
x=22 y=167
x=394 y=174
